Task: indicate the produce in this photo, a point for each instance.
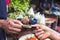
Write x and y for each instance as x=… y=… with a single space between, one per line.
x=32 y=20
x=25 y=20
x=31 y=38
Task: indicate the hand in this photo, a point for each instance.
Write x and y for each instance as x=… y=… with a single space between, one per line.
x=12 y=26
x=42 y=32
x=25 y=20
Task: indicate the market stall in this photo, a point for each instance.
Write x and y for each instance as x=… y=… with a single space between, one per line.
x=35 y=16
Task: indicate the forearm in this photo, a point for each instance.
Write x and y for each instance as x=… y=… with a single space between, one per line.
x=54 y=35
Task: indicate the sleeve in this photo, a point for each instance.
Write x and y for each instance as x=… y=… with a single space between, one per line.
x=3 y=11
x=7 y=2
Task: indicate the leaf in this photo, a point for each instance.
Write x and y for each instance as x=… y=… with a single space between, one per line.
x=18 y=6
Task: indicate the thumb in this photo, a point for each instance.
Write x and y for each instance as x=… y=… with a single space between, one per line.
x=39 y=26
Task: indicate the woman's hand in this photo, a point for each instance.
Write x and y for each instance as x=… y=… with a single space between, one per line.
x=42 y=32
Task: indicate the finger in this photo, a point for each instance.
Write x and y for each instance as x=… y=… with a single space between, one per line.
x=40 y=36
x=35 y=31
x=46 y=35
x=15 y=25
x=14 y=29
x=39 y=26
x=17 y=22
x=36 y=25
x=12 y=32
x=39 y=33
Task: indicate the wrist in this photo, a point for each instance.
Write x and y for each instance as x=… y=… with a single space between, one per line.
x=54 y=35
x=2 y=23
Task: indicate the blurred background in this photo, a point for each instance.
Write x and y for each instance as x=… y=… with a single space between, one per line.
x=51 y=9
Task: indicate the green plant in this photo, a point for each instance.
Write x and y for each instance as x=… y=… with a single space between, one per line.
x=17 y=6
